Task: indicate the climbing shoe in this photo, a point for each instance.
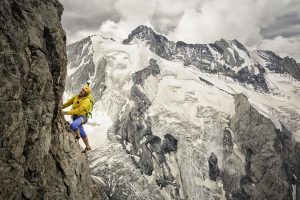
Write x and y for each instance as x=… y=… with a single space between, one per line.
x=77 y=138
x=86 y=149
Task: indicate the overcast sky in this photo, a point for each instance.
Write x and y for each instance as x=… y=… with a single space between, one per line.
x=262 y=24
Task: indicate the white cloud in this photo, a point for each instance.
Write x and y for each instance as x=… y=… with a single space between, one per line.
x=283 y=46
x=169 y=12
x=118 y=31
x=136 y=10
x=133 y=12
x=230 y=19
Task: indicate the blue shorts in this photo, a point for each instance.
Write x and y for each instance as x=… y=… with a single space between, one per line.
x=77 y=123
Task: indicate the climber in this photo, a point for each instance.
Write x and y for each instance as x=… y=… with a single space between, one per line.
x=82 y=105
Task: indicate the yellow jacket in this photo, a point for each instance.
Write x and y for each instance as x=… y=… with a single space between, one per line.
x=80 y=106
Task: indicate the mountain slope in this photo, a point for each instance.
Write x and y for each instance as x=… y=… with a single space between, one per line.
x=179 y=127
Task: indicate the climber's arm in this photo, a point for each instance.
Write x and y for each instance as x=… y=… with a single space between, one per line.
x=78 y=111
x=69 y=102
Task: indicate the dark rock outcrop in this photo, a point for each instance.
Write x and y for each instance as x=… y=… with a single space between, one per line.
x=289 y=150
x=140 y=76
x=38 y=157
x=271 y=160
x=281 y=65
x=214 y=171
x=169 y=144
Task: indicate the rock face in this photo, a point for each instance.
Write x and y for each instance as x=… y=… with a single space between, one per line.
x=38 y=157
x=270 y=173
x=281 y=65
x=75 y=61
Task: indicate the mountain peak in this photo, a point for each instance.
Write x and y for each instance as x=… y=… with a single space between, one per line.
x=144 y=33
x=143 y=28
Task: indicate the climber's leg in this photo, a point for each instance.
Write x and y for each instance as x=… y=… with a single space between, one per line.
x=85 y=139
x=75 y=126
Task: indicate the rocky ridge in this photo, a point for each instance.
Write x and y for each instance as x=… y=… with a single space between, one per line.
x=230 y=58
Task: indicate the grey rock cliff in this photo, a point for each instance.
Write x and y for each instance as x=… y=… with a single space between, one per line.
x=271 y=157
x=38 y=157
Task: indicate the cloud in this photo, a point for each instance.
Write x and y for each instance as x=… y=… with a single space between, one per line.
x=283 y=46
x=287 y=25
x=133 y=13
x=169 y=12
x=231 y=19
x=83 y=18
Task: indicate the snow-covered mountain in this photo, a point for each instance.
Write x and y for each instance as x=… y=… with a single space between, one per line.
x=170 y=121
